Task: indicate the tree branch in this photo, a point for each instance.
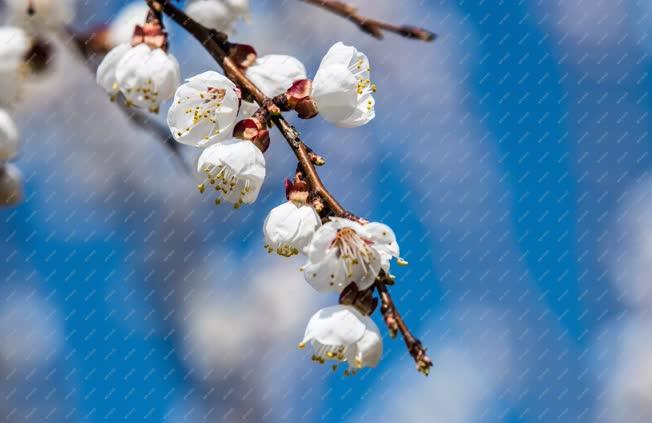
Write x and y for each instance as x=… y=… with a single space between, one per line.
x=371 y=26
x=218 y=46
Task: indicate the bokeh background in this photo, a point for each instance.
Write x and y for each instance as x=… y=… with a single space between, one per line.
x=511 y=157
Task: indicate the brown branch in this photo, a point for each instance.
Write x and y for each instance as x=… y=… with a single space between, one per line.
x=218 y=46
x=371 y=26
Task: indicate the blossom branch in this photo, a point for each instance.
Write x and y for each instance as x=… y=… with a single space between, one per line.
x=371 y=26
x=218 y=46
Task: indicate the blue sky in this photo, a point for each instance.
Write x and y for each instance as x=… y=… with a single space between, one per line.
x=507 y=157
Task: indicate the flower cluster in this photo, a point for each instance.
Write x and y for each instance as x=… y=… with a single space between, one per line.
x=208 y=112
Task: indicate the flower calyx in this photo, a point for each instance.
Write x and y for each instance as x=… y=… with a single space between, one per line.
x=364 y=301
x=254 y=129
x=242 y=55
x=151 y=33
x=298 y=98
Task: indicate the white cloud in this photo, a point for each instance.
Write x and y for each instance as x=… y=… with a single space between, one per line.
x=624 y=364
x=29 y=328
x=629 y=248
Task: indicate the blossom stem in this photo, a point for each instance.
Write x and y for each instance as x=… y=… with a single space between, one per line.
x=372 y=27
x=217 y=45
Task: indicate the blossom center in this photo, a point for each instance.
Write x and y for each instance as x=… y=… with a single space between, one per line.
x=353 y=249
x=211 y=101
x=226 y=183
x=365 y=87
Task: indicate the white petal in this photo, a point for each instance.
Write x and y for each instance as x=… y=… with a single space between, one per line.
x=368 y=349
x=383 y=237
x=327 y=274
x=339 y=54
x=240 y=7
x=289 y=227
x=122 y=27
x=364 y=278
x=364 y=112
x=337 y=325
x=275 y=73
x=334 y=90
x=105 y=76
x=247 y=110
x=321 y=241
x=200 y=118
x=147 y=76
x=212 y=14
x=8 y=137
x=240 y=162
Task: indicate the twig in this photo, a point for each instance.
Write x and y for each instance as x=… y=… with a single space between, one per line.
x=217 y=45
x=88 y=48
x=371 y=26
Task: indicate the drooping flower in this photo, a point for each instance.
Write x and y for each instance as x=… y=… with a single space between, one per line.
x=234 y=168
x=217 y=14
x=342 y=88
x=204 y=110
x=343 y=251
x=147 y=76
x=342 y=333
x=122 y=27
x=289 y=227
x=8 y=137
x=11 y=185
x=41 y=16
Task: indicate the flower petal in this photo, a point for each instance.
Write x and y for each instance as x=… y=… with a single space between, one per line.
x=204 y=110
x=337 y=325
x=105 y=75
x=275 y=73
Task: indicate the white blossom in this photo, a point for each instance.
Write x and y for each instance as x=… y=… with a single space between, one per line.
x=204 y=110
x=122 y=27
x=342 y=88
x=8 y=137
x=289 y=228
x=273 y=74
x=43 y=15
x=217 y=14
x=342 y=333
x=105 y=75
x=147 y=76
x=234 y=168
x=343 y=251
x=11 y=185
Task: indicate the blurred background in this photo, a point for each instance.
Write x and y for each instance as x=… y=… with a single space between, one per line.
x=511 y=157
